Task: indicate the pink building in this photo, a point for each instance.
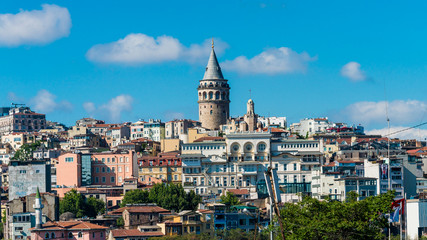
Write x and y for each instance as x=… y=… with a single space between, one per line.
x=69 y=230
x=110 y=168
x=69 y=170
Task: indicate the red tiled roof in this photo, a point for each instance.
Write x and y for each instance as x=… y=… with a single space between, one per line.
x=239 y=191
x=205 y=211
x=140 y=209
x=202 y=139
x=60 y=225
x=142 y=140
x=150 y=161
x=134 y=233
x=100 y=125
x=418 y=151
x=331 y=164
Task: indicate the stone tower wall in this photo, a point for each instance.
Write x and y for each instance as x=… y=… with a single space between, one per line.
x=213 y=99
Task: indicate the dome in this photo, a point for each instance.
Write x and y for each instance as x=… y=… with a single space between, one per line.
x=66 y=216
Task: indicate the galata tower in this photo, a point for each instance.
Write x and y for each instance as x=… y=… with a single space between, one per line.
x=214 y=95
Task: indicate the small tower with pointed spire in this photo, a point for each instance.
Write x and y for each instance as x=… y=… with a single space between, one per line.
x=214 y=95
x=38 y=206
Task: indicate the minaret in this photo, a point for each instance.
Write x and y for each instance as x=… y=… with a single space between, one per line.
x=38 y=206
x=214 y=95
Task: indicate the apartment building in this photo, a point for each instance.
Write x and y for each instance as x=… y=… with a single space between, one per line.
x=22 y=119
x=112 y=168
x=165 y=167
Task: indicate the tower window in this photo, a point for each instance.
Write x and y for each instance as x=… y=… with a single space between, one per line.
x=211 y=106
x=211 y=112
x=210 y=95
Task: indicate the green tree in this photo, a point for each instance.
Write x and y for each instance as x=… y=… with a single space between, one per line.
x=94 y=207
x=230 y=199
x=25 y=152
x=120 y=222
x=351 y=219
x=135 y=196
x=76 y=203
x=169 y=196
x=73 y=202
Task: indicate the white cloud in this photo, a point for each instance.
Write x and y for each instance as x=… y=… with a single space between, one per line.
x=170 y=115
x=353 y=72
x=89 y=107
x=399 y=112
x=138 y=48
x=45 y=102
x=272 y=61
x=34 y=27
x=113 y=109
x=413 y=133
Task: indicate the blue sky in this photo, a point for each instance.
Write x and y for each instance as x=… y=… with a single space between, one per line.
x=73 y=59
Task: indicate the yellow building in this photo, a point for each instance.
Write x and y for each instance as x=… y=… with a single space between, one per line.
x=170 y=145
x=166 y=167
x=188 y=222
x=193 y=134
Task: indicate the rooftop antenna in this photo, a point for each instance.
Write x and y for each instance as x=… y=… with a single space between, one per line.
x=388 y=137
x=212 y=42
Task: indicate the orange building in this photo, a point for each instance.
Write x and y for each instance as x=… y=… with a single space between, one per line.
x=68 y=170
x=112 y=168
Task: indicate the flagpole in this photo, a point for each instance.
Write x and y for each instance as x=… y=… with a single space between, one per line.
x=400 y=222
x=405 y=215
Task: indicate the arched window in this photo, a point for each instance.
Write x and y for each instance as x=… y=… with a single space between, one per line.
x=217 y=95
x=223 y=95
x=52 y=235
x=200 y=95
x=210 y=95
x=46 y=236
x=204 y=95
x=80 y=235
x=70 y=235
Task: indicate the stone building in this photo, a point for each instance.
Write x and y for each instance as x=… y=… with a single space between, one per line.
x=140 y=215
x=214 y=96
x=26 y=176
x=21 y=214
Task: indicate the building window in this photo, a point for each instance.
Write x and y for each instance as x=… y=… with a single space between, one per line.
x=120 y=179
x=96 y=180
x=127 y=168
x=80 y=235
x=113 y=180
x=103 y=179
x=120 y=169
x=295 y=166
x=70 y=235
x=69 y=159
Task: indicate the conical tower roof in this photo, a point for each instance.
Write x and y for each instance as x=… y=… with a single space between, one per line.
x=213 y=70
